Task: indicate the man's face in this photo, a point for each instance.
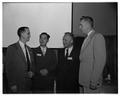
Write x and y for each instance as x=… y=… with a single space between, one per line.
x=26 y=35
x=84 y=26
x=67 y=41
x=43 y=40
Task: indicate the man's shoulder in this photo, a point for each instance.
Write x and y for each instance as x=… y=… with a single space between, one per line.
x=14 y=45
x=29 y=48
x=11 y=49
x=51 y=50
x=61 y=50
x=36 y=49
x=76 y=49
x=98 y=36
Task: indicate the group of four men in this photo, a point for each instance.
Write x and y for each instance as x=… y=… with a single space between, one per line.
x=43 y=70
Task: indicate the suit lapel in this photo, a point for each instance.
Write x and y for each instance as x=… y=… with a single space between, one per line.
x=39 y=50
x=63 y=53
x=88 y=41
x=47 y=50
x=85 y=43
x=72 y=51
x=20 y=51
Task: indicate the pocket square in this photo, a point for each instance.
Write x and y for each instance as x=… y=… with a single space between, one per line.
x=39 y=54
x=69 y=58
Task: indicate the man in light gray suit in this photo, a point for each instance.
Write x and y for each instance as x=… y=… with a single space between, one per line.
x=92 y=57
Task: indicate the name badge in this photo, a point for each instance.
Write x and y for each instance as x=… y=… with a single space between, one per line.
x=69 y=58
x=39 y=54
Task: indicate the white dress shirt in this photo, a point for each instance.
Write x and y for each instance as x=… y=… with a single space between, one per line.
x=69 y=50
x=22 y=45
x=43 y=50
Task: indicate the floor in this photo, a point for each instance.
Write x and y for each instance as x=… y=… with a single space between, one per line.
x=109 y=87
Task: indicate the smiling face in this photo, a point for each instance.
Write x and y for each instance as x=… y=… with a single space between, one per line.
x=67 y=41
x=43 y=40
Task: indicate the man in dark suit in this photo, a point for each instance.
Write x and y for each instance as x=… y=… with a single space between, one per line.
x=68 y=67
x=45 y=66
x=19 y=63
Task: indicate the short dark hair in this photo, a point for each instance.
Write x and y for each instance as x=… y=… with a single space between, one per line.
x=70 y=34
x=88 y=19
x=21 y=30
x=44 y=33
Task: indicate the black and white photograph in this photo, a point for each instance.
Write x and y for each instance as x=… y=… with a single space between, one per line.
x=59 y=48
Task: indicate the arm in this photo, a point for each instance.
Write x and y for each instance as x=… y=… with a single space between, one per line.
x=99 y=58
x=51 y=64
x=32 y=70
x=10 y=68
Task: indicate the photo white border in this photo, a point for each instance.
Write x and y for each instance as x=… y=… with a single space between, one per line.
x=1 y=26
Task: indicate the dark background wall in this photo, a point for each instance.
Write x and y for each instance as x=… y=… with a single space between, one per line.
x=104 y=15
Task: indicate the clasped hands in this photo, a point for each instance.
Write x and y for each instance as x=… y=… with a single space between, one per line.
x=43 y=72
x=30 y=74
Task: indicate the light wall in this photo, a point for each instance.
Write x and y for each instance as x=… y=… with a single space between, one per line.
x=53 y=18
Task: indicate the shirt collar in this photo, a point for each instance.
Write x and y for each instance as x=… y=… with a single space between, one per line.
x=43 y=47
x=21 y=44
x=69 y=49
x=90 y=32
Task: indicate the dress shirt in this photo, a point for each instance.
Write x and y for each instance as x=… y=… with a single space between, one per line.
x=43 y=49
x=69 y=50
x=22 y=45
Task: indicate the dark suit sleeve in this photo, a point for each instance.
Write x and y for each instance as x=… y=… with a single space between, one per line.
x=10 y=66
x=32 y=60
x=53 y=63
x=60 y=66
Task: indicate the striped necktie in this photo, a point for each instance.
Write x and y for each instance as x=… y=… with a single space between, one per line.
x=28 y=60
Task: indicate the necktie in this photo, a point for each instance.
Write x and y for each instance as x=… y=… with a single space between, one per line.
x=28 y=60
x=66 y=53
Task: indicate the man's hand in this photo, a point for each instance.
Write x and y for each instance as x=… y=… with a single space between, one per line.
x=93 y=86
x=14 y=88
x=30 y=74
x=44 y=72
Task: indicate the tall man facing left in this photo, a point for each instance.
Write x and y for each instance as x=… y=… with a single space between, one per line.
x=19 y=63
x=92 y=57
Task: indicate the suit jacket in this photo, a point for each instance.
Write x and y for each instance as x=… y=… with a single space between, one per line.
x=48 y=61
x=92 y=60
x=67 y=71
x=16 y=67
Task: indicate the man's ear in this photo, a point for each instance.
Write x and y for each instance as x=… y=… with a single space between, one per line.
x=71 y=41
x=22 y=34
